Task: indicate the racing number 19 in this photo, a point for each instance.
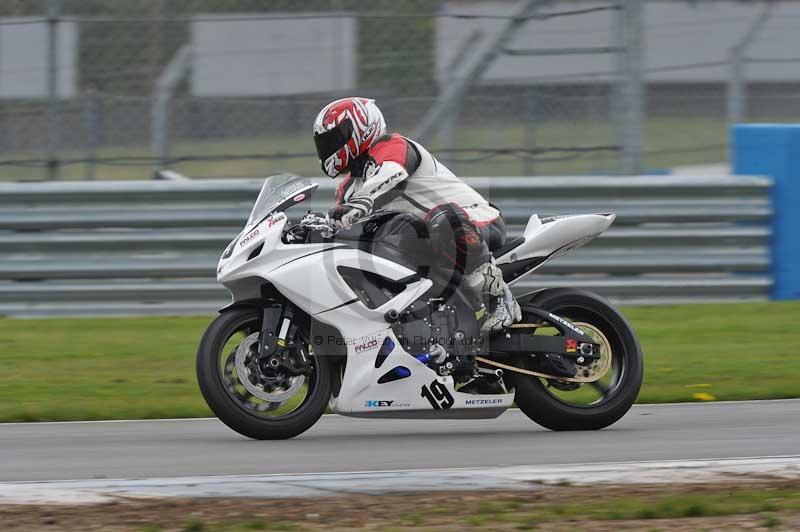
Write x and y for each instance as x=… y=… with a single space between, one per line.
x=438 y=395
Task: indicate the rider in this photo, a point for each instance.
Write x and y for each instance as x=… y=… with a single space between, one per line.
x=390 y=171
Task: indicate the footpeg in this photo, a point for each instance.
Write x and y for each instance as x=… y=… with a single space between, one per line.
x=496 y=373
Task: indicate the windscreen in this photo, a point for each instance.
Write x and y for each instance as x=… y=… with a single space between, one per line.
x=275 y=190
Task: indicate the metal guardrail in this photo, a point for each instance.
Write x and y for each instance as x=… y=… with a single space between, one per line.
x=151 y=247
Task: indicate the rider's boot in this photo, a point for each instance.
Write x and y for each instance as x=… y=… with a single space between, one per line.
x=487 y=280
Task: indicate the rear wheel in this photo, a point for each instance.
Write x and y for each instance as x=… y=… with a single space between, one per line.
x=250 y=396
x=563 y=405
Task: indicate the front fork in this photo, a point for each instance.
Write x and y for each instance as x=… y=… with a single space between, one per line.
x=278 y=347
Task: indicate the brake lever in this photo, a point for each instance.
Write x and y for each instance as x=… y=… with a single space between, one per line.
x=315 y=222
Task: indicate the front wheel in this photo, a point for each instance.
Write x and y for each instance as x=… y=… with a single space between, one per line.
x=249 y=395
x=562 y=405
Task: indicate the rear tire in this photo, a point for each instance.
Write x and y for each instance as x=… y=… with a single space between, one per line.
x=210 y=379
x=550 y=411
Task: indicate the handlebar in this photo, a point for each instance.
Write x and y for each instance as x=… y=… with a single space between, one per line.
x=312 y=221
x=319 y=223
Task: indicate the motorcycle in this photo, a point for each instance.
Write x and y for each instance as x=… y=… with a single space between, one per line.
x=347 y=321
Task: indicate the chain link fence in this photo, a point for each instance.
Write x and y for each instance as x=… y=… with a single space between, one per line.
x=728 y=62
x=93 y=89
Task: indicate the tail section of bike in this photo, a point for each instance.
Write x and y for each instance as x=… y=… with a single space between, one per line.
x=546 y=238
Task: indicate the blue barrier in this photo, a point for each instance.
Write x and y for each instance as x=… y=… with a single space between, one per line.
x=774 y=150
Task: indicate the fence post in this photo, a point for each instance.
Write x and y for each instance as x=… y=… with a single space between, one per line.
x=53 y=119
x=737 y=86
x=529 y=130
x=631 y=91
x=449 y=127
x=92 y=130
x=736 y=96
x=165 y=86
x=774 y=150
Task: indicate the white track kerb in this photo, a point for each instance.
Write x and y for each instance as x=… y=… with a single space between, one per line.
x=421 y=480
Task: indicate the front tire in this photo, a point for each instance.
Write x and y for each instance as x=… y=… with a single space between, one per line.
x=553 y=411
x=260 y=421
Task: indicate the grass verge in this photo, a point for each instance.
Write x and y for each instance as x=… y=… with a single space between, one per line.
x=674 y=507
x=117 y=368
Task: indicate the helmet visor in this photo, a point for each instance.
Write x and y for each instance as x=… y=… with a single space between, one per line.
x=333 y=140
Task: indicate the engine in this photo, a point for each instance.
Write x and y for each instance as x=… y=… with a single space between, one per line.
x=446 y=336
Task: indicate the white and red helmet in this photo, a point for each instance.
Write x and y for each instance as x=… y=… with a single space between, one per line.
x=345 y=129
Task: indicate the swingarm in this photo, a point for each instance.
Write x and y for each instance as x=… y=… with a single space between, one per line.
x=566 y=356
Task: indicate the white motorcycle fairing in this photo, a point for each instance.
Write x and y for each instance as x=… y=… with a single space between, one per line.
x=308 y=275
x=552 y=237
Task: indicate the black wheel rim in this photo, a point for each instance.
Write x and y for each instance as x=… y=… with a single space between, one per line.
x=609 y=385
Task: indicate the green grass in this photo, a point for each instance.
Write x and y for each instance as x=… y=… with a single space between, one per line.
x=99 y=368
x=732 y=352
x=531 y=509
x=106 y=368
x=659 y=506
x=693 y=505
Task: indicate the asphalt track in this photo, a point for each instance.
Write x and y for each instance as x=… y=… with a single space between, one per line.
x=172 y=448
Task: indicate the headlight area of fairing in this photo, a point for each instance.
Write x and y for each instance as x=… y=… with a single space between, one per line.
x=257 y=251
x=239 y=251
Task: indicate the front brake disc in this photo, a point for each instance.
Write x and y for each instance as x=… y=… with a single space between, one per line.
x=243 y=350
